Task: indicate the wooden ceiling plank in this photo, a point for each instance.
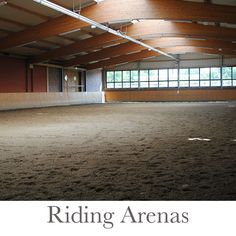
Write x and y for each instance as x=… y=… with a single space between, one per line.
x=145 y=54
x=113 y=10
x=82 y=45
x=14 y=22
x=161 y=43
x=143 y=29
x=12 y=5
x=122 y=59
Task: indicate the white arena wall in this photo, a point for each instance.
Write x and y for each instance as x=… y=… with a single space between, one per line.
x=9 y=101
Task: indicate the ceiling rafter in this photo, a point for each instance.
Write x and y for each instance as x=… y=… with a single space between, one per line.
x=122 y=59
x=83 y=45
x=146 y=54
x=142 y=30
x=44 y=17
x=20 y=24
x=113 y=10
x=161 y=42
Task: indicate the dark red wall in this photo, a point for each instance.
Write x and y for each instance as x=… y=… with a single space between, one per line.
x=12 y=75
x=39 y=79
x=14 y=78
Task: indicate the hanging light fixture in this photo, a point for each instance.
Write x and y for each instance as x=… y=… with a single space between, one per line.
x=95 y=24
x=3 y=3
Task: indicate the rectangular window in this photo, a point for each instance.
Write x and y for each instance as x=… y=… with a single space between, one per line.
x=173 y=84
x=153 y=75
x=163 y=75
x=126 y=76
x=205 y=83
x=153 y=84
x=227 y=73
x=183 y=74
x=126 y=85
x=227 y=76
x=215 y=77
x=118 y=77
x=215 y=73
x=194 y=83
x=143 y=75
x=163 y=84
x=184 y=84
x=110 y=77
x=118 y=85
x=144 y=84
x=173 y=74
x=164 y=78
x=110 y=85
x=204 y=73
x=227 y=83
x=215 y=83
x=234 y=73
x=194 y=74
x=205 y=77
x=184 y=78
x=126 y=79
x=134 y=78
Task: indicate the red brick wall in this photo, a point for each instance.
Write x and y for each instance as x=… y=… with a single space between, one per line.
x=12 y=75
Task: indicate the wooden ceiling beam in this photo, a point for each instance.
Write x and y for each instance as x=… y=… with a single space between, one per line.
x=105 y=53
x=179 y=29
x=145 y=29
x=146 y=54
x=27 y=26
x=113 y=10
x=122 y=59
x=83 y=45
x=161 y=43
x=187 y=49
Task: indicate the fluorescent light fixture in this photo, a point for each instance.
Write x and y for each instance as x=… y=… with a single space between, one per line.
x=100 y=26
x=134 y=21
x=25 y=44
x=98 y=1
x=200 y=139
x=69 y=32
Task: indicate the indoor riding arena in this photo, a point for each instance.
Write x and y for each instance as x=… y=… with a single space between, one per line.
x=117 y=100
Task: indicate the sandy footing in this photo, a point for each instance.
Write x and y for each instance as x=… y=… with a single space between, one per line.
x=136 y=151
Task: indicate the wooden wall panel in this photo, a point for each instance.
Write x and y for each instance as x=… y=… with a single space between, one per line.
x=12 y=75
x=54 y=80
x=171 y=95
x=39 y=79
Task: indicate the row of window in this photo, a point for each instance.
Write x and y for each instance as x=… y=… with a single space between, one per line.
x=172 y=78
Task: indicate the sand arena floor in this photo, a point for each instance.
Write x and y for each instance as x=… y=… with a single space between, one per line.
x=138 y=151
